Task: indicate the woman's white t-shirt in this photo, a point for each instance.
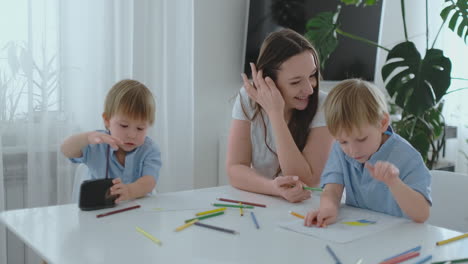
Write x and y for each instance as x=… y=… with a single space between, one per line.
x=263 y=160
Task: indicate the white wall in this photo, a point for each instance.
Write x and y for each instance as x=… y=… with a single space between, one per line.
x=219 y=32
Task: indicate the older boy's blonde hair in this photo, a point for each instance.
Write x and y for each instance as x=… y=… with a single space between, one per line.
x=353 y=104
x=132 y=99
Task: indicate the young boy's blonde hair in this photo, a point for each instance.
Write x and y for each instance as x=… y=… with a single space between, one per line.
x=352 y=104
x=131 y=99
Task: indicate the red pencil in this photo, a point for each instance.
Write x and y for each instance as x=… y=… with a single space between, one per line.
x=401 y=258
x=118 y=211
x=235 y=201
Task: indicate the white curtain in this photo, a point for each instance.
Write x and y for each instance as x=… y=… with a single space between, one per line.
x=61 y=58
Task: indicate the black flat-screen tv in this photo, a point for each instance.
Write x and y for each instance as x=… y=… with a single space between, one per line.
x=350 y=59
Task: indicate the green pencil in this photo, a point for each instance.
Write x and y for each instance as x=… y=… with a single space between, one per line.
x=312 y=188
x=233 y=205
x=452 y=261
x=205 y=216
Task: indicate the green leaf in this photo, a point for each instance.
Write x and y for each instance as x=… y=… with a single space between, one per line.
x=321 y=32
x=359 y=2
x=456 y=13
x=417 y=84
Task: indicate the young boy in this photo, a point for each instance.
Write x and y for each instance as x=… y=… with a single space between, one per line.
x=380 y=170
x=134 y=159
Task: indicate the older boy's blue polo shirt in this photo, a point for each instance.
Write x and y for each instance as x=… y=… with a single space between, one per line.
x=144 y=160
x=366 y=192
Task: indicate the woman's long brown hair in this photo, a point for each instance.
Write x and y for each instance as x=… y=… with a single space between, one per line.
x=277 y=48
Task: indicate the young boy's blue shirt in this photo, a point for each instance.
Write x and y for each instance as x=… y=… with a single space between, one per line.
x=366 y=192
x=144 y=160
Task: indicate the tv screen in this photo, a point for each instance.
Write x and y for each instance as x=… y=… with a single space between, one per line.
x=350 y=59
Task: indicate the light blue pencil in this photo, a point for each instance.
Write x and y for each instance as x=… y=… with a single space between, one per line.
x=424 y=260
x=332 y=253
x=255 y=220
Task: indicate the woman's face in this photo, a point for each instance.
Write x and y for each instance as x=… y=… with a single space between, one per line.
x=296 y=80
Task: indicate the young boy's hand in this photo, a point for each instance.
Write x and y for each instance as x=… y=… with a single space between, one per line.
x=290 y=188
x=384 y=171
x=99 y=138
x=121 y=190
x=324 y=216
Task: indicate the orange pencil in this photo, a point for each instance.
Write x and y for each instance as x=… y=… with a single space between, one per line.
x=297 y=215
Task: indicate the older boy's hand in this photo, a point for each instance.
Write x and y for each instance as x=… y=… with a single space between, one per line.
x=324 y=216
x=96 y=137
x=120 y=189
x=384 y=171
x=290 y=188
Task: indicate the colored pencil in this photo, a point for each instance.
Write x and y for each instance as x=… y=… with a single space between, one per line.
x=404 y=252
x=118 y=211
x=297 y=215
x=451 y=261
x=402 y=258
x=332 y=253
x=443 y=242
x=182 y=227
x=241 y=211
x=204 y=216
x=211 y=211
x=254 y=220
x=216 y=228
x=243 y=202
x=424 y=260
x=233 y=205
x=312 y=188
x=152 y=238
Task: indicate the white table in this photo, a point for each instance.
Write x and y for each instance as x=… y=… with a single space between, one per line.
x=64 y=234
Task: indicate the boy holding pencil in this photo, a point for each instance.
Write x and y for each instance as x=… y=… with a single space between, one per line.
x=380 y=170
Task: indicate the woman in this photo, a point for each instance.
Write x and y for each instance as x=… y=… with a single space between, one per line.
x=278 y=140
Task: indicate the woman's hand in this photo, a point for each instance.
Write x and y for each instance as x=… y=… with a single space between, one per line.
x=290 y=188
x=99 y=138
x=264 y=92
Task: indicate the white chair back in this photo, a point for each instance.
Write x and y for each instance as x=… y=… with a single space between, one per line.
x=449 y=200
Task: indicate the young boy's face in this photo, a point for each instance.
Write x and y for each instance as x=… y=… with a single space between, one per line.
x=131 y=132
x=362 y=143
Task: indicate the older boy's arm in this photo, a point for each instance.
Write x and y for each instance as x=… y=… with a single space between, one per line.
x=331 y=195
x=410 y=201
x=141 y=187
x=73 y=145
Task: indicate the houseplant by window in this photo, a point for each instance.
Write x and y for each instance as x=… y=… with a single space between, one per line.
x=415 y=83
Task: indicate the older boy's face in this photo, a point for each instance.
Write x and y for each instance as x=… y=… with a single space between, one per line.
x=362 y=143
x=296 y=80
x=131 y=132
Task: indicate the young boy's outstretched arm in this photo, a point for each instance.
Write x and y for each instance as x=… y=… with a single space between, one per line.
x=329 y=206
x=73 y=145
x=411 y=202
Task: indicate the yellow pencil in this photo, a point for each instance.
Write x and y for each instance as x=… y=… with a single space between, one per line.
x=186 y=225
x=241 y=210
x=152 y=238
x=443 y=242
x=211 y=211
x=297 y=215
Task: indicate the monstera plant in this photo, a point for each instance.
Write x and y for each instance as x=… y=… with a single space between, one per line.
x=416 y=82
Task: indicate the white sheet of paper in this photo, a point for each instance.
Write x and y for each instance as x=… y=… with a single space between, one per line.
x=343 y=233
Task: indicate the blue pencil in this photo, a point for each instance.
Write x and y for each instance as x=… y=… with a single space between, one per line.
x=424 y=260
x=402 y=253
x=337 y=260
x=255 y=220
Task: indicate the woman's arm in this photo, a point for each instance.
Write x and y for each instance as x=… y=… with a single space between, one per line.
x=309 y=164
x=242 y=176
